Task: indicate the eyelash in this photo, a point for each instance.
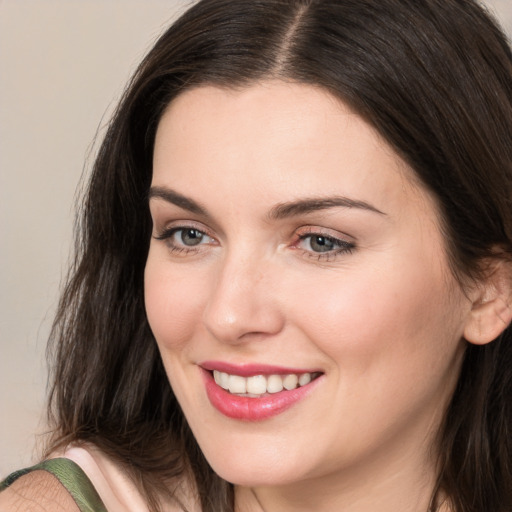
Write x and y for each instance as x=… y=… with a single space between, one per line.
x=344 y=246
x=167 y=234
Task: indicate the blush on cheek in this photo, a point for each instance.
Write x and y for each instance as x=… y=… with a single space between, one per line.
x=361 y=318
x=173 y=308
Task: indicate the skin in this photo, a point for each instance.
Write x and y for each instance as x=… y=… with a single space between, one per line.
x=383 y=321
x=37 y=492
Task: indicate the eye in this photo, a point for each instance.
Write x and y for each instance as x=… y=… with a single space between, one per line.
x=319 y=243
x=189 y=236
x=323 y=246
x=184 y=239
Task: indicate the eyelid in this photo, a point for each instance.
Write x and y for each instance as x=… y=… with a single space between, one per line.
x=176 y=225
x=346 y=244
x=166 y=236
x=165 y=214
x=327 y=232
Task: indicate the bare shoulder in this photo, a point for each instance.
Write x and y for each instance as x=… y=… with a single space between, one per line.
x=38 y=491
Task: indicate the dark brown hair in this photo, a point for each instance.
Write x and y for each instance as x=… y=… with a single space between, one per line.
x=434 y=77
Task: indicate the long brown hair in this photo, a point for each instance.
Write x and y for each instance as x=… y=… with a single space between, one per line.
x=434 y=77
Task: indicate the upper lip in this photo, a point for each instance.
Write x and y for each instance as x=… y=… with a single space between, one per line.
x=251 y=369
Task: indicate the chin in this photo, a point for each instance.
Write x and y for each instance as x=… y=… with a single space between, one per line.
x=260 y=477
x=257 y=466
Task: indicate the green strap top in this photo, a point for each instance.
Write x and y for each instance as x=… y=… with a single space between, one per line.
x=72 y=477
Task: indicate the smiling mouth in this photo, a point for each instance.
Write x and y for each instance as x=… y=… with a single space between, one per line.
x=256 y=392
x=258 y=386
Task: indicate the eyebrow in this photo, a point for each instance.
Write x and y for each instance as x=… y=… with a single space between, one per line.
x=280 y=211
x=304 y=206
x=171 y=196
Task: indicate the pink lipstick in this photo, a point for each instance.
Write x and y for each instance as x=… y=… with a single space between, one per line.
x=286 y=387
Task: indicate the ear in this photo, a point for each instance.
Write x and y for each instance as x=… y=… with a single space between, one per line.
x=491 y=311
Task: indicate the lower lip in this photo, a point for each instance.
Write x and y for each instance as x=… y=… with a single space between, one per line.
x=253 y=409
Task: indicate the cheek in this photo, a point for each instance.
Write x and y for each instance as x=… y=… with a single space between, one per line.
x=392 y=341
x=174 y=303
x=396 y=314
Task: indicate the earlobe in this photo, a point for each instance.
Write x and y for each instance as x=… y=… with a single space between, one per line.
x=491 y=312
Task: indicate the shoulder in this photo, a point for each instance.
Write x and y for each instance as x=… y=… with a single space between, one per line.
x=38 y=491
x=117 y=487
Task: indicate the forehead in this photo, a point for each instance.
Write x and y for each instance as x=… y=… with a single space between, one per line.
x=263 y=110
x=282 y=139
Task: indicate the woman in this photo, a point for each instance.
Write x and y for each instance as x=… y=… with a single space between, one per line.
x=300 y=219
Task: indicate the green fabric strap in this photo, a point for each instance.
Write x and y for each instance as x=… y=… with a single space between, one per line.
x=72 y=477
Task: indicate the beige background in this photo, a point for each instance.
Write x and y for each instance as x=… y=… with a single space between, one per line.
x=63 y=64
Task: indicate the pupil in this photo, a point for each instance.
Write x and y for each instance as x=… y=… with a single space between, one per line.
x=321 y=244
x=191 y=237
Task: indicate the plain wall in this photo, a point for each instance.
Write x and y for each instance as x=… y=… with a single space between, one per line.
x=63 y=64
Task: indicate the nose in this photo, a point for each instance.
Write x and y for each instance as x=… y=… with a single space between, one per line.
x=243 y=304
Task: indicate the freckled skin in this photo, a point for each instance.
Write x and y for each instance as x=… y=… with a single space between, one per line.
x=383 y=321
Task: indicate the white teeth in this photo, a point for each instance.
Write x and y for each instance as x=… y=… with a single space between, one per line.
x=274 y=384
x=304 y=379
x=224 y=380
x=291 y=381
x=258 y=385
x=237 y=384
x=221 y=378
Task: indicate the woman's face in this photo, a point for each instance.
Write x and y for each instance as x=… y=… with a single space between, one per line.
x=294 y=257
